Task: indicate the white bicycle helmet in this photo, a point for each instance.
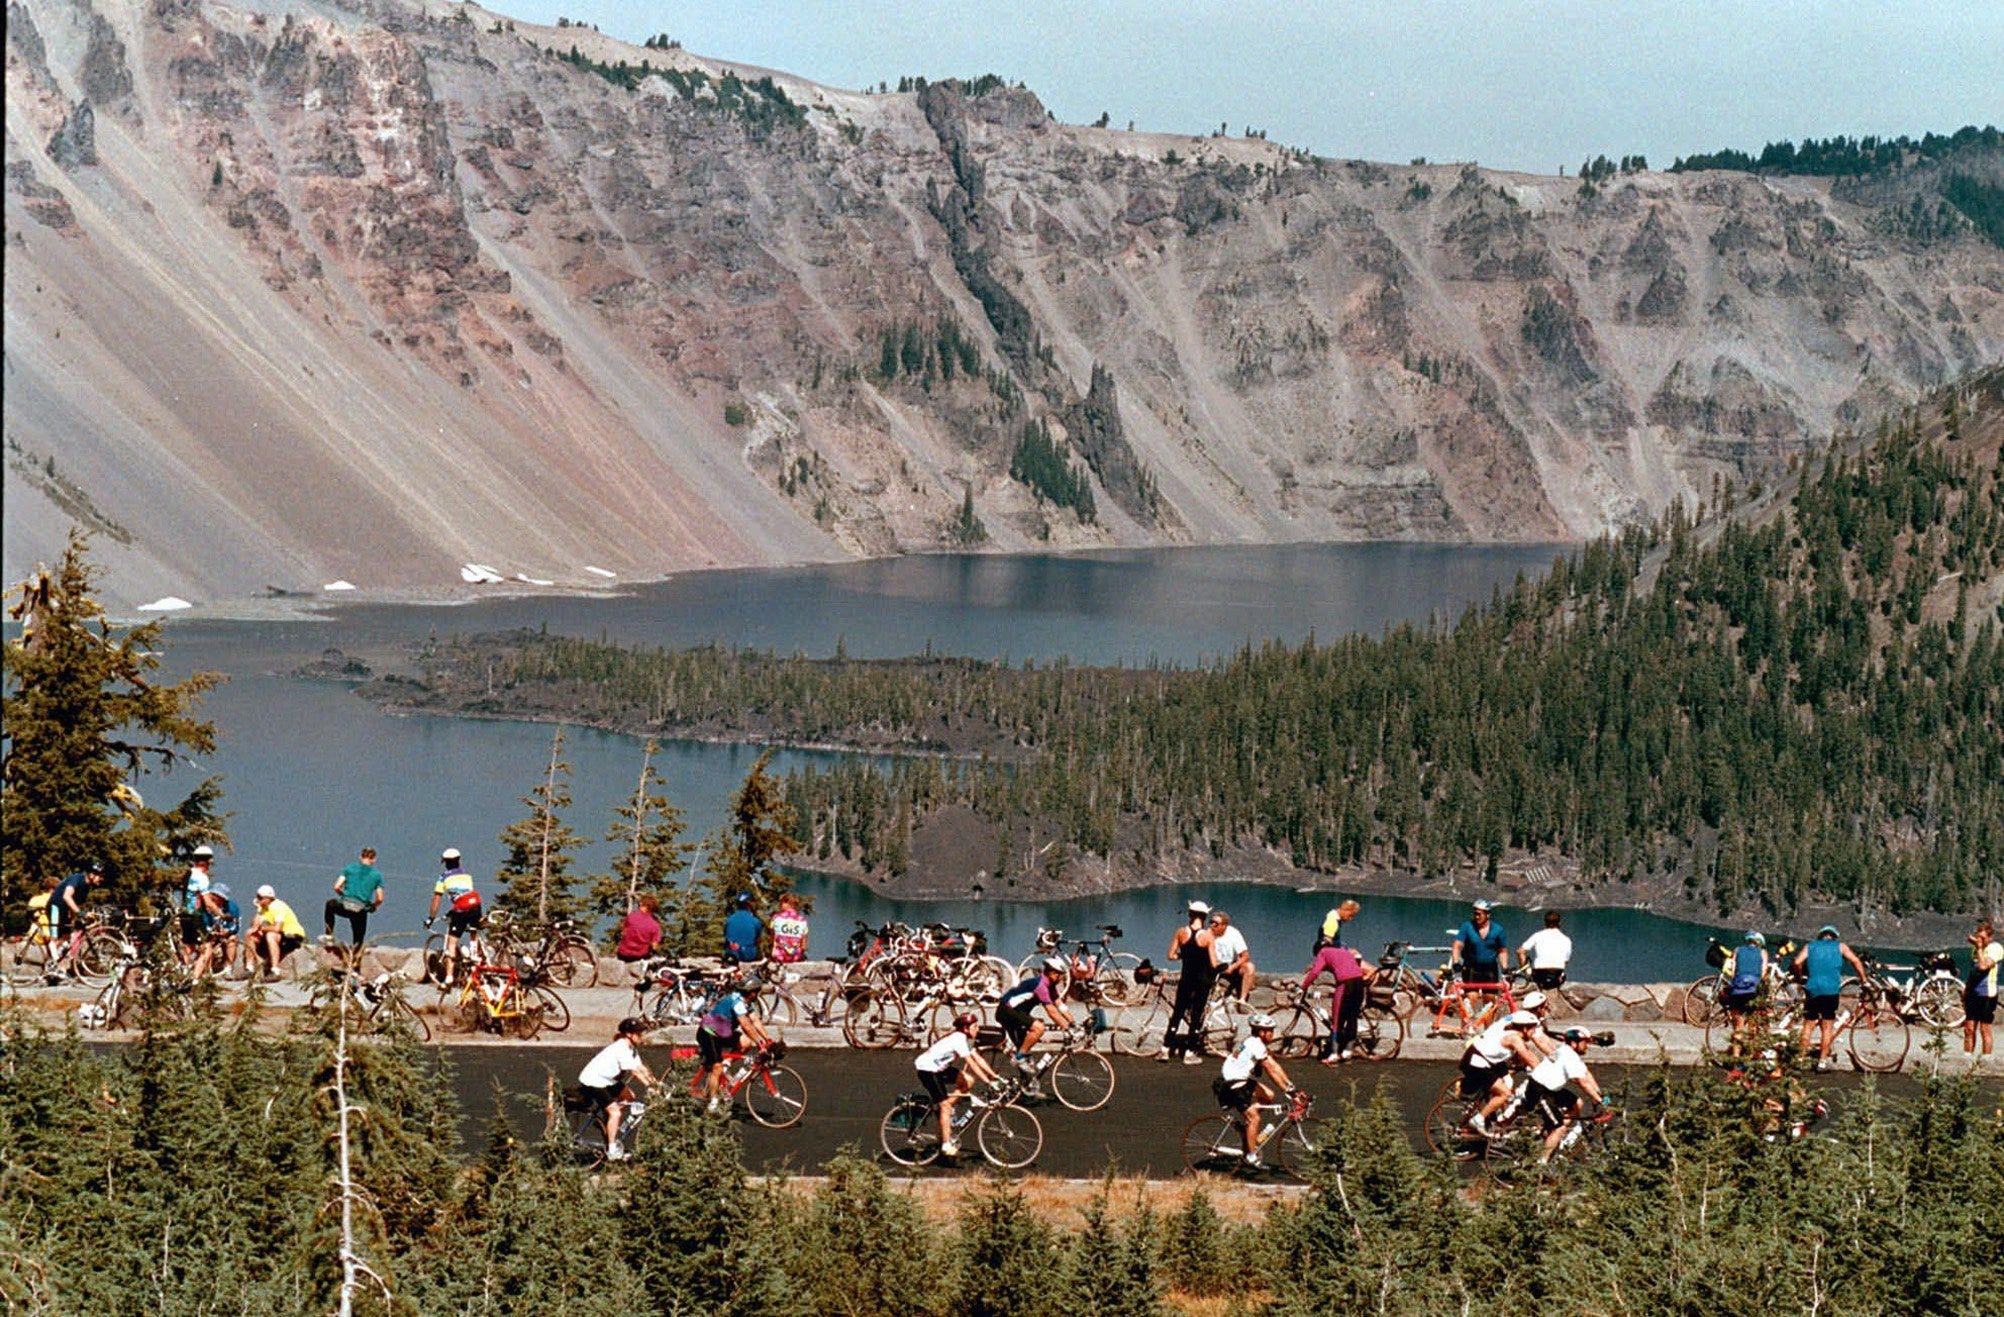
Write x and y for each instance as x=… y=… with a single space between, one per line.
x=1261 y=1021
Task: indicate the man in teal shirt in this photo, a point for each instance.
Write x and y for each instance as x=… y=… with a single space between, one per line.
x=357 y=891
x=1822 y=963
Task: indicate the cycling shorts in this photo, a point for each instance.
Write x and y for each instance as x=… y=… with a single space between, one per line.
x=1236 y=1094
x=1979 y=1010
x=461 y=923
x=1738 y=1002
x=1554 y=1106
x=1820 y=1007
x=192 y=932
x=1548 y=979
x=939 y=1083
x=596 y=1100
x=1477 y=1078
x=712 y=1048
x=1016 y=1024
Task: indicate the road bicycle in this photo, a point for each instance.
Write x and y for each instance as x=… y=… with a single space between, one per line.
x=1702 y=1000
x=1512 y=1132
x=1929 y=994
x=779 y=997
x=133 y=987
x=1875 y=1035
x=89 y=955
x=1306 y=1026
x=1413 y=990
x=378 y=1005
x=574 y=1131
x=774 y=1094
x=1466 y=1009
x=495 y=999
x=472 y=950
x=1008 y=1135
x=670 y=993
x=880 y=1017
x=1141 y=1027
x=559 y=952
x=1098 y=974
x=1217 y=1143
x=1076 y=1075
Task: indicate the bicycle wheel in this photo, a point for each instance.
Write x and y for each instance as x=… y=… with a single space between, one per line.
x=1082 y=1080
x=1214 y=1143
x=1300 y=1035
x=1446 y=1124
x=1938 y=1002
x=776 y=1096
x=1141 y=1026
x=27 y=961
x=549 y=1005
x=876 y=1020
x=99 y=955
x=1009 y=1137
x=1290 y=1151
x=1115 y=980
x=1877 y=1038
x=909 y=1132
x=433 y=959
x=110 y=1003
x=573 y=963
x=1701 y=1002
x=1220 y=1031
x=1380 y=1033
x=774 y=1004
x=393 y=1014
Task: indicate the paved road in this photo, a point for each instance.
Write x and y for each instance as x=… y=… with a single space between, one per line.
x=1138 y=1131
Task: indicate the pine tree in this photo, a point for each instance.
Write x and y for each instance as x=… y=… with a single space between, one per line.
x=648 y=831
x=743 y=855
x=85 y=717
x=536 y=880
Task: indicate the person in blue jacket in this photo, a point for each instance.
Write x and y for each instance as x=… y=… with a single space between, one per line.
x=742 y=932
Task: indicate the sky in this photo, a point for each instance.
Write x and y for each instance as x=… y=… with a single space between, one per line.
x=1513 y=84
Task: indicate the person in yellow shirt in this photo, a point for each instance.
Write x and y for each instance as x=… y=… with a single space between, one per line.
x=275 y=934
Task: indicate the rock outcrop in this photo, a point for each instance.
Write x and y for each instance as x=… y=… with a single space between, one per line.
x=373 y=288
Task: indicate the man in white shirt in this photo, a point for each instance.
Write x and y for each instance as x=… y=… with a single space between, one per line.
x=604 y=1079
x=1486 y=1064
x=1230 y=957
x=1556 y=1084
x=948 y=1070
x=1238 y=1085
x=1547 y=952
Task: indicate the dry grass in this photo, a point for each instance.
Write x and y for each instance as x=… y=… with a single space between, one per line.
x=1063 y=1202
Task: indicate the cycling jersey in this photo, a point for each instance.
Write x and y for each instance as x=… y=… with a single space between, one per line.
x=77 y=883
x=946 y=1055
x=1028 y=994
x=1547 y=948
x=191 y=894
x=1341 y=964
x=741 y=932
x=1983 y=982
x=614 y=1062
x=1559 y=1069
x=722 y=1018
x=789 y=937
x=1749 y=963
x=1825 y=962
x=1481 y=953
x=1243 y=1060
x=1487 y=1048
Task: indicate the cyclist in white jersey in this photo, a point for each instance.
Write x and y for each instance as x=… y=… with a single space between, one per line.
x=948 y=1070
x=1486 y=1064
x=1239 y=1085
x=1555 y=1084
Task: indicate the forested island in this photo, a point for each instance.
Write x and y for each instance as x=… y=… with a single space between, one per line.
x=1782 y=698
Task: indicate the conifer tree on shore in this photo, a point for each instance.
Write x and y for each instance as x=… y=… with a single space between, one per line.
x=536 y=879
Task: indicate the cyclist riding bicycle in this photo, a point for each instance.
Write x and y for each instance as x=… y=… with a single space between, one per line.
x=1013 y=1013
x=948 y=1069
x=1554 y=1086
x=1487 y=1062
x=1239 y=1086
x=716 y=1033
x=605 y=1077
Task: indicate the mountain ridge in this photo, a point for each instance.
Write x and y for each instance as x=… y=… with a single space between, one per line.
x=368 y=291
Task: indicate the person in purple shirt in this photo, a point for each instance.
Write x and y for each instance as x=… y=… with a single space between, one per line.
x=1342 y=965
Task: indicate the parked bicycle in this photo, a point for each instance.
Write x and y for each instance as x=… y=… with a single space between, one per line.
x=1413 y=989
x=378 y=1005
x=495 y=999
x=1927 y=993
x=1306 y=1024
x=135 y=987
x=671 y=993
x=89 y=953
x=1099 y=975
x=1141 y=1027
x=1217 y=1143
x=1008 y=1135
x=782 y=996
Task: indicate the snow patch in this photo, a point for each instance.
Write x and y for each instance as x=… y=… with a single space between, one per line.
x=333 y=586
x=168 y=604
x=600 y=571
x=474 y=573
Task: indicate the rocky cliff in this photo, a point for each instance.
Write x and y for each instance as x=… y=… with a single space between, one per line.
x=299 y=290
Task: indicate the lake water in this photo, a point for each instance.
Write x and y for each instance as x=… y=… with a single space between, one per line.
x=313 y=773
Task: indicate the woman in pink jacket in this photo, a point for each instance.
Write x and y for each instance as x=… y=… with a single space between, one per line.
x=1342 y=965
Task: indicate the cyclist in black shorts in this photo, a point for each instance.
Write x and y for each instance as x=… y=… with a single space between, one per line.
x=604 y=1079
x=1014 y=1013
x=1554 y=1086
x=948 y=1070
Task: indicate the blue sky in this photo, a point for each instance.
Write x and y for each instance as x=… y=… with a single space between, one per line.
x=1512 y=83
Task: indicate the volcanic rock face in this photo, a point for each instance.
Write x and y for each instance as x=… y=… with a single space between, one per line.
x=374 y=288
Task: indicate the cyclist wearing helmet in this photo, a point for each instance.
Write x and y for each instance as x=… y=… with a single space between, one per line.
x=1239 y=1085
x=1555 y=1084
x=1487 y=1062
x=948 y=1070
x=1744 y=978
x=463 y=916
x=1022 y=1028
x=716 y=1034
x=605 y=1077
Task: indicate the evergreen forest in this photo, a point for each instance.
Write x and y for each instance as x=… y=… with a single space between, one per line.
x=209 y=1168
x=1761 y=703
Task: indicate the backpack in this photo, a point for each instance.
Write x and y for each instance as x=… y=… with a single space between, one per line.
x=1745 y=981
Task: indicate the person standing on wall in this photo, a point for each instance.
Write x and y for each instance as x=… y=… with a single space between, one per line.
x=358 y=891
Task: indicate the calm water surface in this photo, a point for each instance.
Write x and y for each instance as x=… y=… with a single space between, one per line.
x=313 y=773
